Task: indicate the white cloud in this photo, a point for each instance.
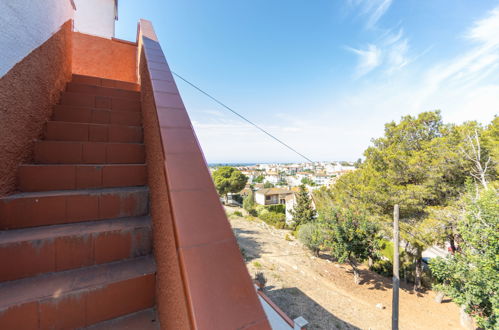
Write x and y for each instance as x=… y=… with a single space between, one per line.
x=390 y=52
x=463 y=86
x=466 y=71
x=373 y=10
x=380 y=7
x=486 y=29
x=369 y=59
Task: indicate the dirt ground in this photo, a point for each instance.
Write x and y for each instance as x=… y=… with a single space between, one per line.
x=323 y=292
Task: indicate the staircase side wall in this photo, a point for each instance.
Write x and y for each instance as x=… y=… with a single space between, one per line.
x=104 y=58
x=28 y=92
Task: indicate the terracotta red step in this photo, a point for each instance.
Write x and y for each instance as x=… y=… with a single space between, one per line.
x=32 y=251
x=89 y=80
x=66 y=131
x=58 y=207
x=97 y=101
x=97 y=116
x=102 y=91
x=143 y=320
x=78 y=298
x=41 y=177
x=62 y=152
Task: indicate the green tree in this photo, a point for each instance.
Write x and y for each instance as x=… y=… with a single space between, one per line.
x=307 y=181
x=268 y=185
x=229 y=180
x=471 y=276
x=491 y=143
x=259 y=179
x=249 y=201
x=303 y=210
x=417 y=164
x=357 y=163
x=311 y=235
x=351 y=237
x=323 y=199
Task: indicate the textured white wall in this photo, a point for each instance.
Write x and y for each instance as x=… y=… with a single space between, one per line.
x=26 y=24
x=95 y=17
x=259 y=198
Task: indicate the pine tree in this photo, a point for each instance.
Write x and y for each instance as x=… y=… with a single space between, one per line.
x=303 y=211
x=249 y=201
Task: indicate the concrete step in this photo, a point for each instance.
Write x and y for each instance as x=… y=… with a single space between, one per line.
x=41 y=177
x=63 y=152
x=97 y=81
x=80 y=297
x=96 y=116
x=143 y=320
x=67 y=131
x=58 y=207
x=102 y=91
x=98 y=101
x=32 y=251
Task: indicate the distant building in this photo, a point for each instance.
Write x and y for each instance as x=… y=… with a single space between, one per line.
x=271 y=196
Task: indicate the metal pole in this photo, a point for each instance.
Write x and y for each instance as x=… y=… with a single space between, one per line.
x=396 y=278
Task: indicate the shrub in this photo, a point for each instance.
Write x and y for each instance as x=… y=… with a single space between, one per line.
x=259 y=209
x=278 y=208
x=272 y=218
x=256 y=264
x=253 y=213
x=310 y=235
x=238 y=213
x=383 y=267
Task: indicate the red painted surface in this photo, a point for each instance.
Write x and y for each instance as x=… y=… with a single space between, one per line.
x=79 y=297
x=27 y=94
x=219 y=291
x=95 y=262
x=170 y=294
x=104 y=58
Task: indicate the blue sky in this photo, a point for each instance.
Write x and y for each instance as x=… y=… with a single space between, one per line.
x=324 y=75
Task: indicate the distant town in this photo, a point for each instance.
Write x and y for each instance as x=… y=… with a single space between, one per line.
x=288 y=175
x=274 y=184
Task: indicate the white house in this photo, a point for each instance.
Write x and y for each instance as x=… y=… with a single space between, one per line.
x=271 y=196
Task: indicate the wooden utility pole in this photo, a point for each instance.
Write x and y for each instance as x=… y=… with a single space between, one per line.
x=396 y=278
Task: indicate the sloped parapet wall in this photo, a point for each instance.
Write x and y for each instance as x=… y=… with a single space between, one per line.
x=211 y=288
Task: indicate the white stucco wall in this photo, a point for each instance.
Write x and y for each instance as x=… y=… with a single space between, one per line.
x=259 y=198
x=95 y=17
x=26 y=24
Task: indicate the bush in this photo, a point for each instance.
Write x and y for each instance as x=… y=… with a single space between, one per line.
x=253 y=213
x=259 y=209
x=277 y=220
x=238 y=213
x=277 y=208
x=383 y=267
x=310 y=235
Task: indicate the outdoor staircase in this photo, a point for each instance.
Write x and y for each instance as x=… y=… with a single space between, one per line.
x=75 y=241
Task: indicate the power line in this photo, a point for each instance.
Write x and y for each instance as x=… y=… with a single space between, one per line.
x=243 y=118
